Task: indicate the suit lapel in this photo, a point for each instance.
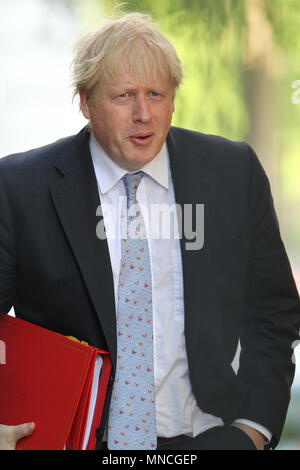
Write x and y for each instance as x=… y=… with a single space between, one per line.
x=194 y=184
x=76 y=199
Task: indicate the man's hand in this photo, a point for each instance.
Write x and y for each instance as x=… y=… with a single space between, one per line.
x=255 y=436
x=9 y=435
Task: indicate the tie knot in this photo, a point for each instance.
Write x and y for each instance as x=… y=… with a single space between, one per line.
x=132 y=181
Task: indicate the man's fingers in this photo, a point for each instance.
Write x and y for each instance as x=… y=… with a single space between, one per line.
x=23 y=430
x=9 y=435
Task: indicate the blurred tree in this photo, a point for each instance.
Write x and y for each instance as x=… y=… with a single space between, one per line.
x=260 y=64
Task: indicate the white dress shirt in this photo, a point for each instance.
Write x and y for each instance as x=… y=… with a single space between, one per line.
x=176 y=408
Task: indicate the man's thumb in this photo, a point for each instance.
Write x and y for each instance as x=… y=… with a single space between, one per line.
x=23 y=430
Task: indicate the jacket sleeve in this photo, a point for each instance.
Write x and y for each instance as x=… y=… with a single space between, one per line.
x=7 y=252
x=271 y=318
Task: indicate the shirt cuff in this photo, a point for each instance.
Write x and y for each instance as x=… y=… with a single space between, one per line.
x=265 y=432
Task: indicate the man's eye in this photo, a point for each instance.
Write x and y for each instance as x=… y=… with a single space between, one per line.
x=154 y=93
x=123 y=95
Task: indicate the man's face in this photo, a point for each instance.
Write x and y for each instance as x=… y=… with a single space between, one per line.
x=130 y=119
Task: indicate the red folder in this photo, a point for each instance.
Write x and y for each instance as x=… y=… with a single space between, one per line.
x=56 y=382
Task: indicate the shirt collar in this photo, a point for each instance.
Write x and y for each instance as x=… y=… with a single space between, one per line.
x=108 y=173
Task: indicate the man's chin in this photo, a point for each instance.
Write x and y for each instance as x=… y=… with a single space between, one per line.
x=137 y=162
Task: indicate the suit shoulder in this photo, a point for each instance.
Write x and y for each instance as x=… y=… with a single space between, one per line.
x=40 y=157
x=216 y=147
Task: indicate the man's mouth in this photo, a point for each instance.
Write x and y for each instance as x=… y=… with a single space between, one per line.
x=142 y=138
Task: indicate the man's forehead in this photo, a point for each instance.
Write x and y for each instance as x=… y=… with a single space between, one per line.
x=132 y=79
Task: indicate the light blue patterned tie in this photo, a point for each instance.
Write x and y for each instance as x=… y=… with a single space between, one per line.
x=132 y=423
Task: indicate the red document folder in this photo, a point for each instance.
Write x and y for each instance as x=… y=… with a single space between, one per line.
x=56 y=382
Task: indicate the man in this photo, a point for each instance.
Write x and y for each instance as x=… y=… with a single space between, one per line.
x=59 y=271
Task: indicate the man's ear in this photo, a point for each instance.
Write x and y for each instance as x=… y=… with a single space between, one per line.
x=84 y=104
x=173 y=101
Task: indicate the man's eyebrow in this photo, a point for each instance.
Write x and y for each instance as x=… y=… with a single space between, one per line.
x=117 y=88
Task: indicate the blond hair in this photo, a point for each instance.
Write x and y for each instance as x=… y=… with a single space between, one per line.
x=132 y=39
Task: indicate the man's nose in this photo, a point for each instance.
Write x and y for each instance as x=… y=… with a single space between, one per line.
x=142 y=110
